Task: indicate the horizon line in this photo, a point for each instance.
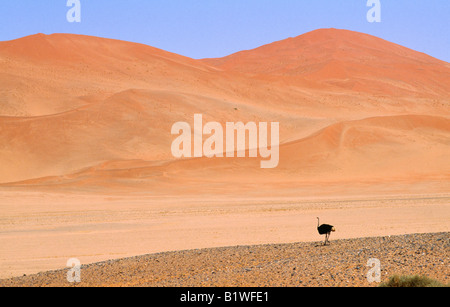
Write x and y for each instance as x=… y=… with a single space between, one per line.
x=206 y=58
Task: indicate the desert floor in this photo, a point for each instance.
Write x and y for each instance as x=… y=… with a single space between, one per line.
x=41 y=231
x=343 y=263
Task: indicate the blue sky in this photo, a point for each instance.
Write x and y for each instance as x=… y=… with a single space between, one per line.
x=215 y=28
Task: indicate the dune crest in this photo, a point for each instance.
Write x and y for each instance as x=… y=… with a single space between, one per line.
x=347 y=59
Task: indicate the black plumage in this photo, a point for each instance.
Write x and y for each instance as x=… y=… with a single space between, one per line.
x=325 y=229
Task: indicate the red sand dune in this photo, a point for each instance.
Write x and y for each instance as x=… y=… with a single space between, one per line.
x=347 y=59
x=406 y=149
x=86 y=113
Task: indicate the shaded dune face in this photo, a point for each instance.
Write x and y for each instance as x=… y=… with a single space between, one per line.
x=79 y=112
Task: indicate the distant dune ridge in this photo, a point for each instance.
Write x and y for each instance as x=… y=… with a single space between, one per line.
x=92 y=114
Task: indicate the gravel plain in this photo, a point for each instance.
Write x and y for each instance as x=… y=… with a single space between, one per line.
x=343 y=263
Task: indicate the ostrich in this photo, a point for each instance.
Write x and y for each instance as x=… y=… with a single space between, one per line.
x=325 y=229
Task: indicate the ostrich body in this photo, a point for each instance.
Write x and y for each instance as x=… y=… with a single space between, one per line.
x=326 y=230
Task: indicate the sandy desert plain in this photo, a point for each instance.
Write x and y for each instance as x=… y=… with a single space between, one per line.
x=86 y=169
